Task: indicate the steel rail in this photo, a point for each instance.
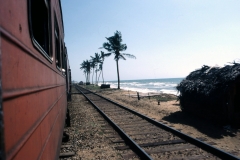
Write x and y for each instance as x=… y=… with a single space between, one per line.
x=209 y=148
x=129 y=141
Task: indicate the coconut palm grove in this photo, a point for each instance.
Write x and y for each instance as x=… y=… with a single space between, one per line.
x=114 y=46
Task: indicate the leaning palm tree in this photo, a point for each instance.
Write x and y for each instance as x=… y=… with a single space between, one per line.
x=114 y=46
x=103 y=55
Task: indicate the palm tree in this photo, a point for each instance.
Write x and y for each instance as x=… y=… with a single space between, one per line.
x=84 y=69
x=97 y=60
x=114 y=46
x=88 y=65
x=85 y=66
x=103 y=55
x=100 y=69
x=93 y=65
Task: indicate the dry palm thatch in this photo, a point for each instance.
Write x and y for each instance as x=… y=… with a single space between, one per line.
x=208 y=88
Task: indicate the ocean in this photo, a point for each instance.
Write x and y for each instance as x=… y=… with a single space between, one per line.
x=167 y=85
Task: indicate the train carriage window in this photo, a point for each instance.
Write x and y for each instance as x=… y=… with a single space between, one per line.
x=63 y=60
x=57 y=45
x=39 y=20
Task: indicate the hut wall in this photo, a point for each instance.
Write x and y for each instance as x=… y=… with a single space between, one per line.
x=206 y=111
x=222 y=110
x=236 y=103
x=213 y=93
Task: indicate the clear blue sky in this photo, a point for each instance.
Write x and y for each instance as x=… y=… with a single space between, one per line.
x=170 y=38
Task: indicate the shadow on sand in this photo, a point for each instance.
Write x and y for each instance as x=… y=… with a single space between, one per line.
x=204 y=126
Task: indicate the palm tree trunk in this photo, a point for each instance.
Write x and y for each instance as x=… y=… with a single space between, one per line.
x=96 y=76
x=87 y=76
x=92 y=75
x=88 y=79
x=99 y=75
x=102 y=75
x=118 y=75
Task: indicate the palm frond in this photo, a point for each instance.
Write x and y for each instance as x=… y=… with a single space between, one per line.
x=107 y=54
x=122 y=57
x=123 y=47
x=107 y=46
x=129 y=55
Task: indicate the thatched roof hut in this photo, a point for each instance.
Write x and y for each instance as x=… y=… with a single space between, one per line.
x=212 y=92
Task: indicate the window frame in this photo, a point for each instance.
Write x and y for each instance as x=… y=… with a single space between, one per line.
x=36 y=44
x=57 y=43
x=63 y=59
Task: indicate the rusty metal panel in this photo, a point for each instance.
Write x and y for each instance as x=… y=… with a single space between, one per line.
x=2 y=150
x=33 y=89
x=27 y=71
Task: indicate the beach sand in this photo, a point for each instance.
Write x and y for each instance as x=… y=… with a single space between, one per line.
x=169 y=113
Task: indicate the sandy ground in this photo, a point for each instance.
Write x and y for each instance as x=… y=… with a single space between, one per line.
x=170 y=113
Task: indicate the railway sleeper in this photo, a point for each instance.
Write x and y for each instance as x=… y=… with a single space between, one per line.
x=112 y=110
x=141 y=129
x=177 y=141
x=130 y=124
x=136 y=138
x=135 y=125
x=177 y=157
x=145 y=133
x=128 y=116
x=171 y=148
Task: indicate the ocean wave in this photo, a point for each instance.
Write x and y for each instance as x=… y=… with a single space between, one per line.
x=160 y=84
x=147 y=90
x=142 y=90
x=157 y=83
x=148 y=85
x=133 y=84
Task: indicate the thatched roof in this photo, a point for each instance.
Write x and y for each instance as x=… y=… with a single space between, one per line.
x=208 y=83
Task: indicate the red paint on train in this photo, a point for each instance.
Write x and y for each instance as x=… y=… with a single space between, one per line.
x=35 y=79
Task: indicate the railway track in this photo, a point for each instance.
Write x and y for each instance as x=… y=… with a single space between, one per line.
x=147 y=138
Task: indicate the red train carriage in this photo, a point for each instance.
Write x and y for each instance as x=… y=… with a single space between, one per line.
x=34 y=78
